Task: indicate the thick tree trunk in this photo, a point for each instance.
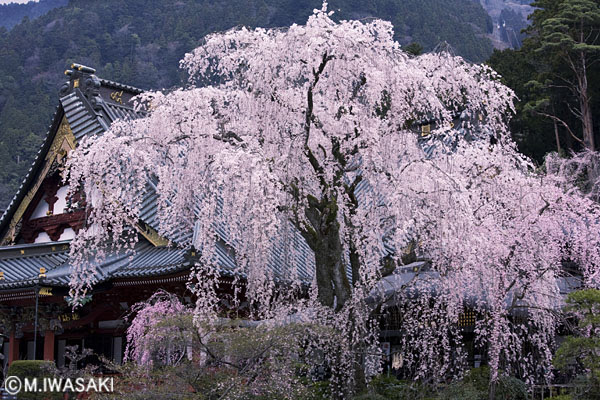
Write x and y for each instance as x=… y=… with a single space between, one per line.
x=556 y=136
x=323 y=237
x=585 y=107
x=492 y=392
x=332 y=282
x=333 y=286
x=587 y=122
x=334 y=290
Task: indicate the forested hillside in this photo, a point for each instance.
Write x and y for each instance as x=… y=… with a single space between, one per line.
x=12 y=13
x=556 y=78
x=140 y=42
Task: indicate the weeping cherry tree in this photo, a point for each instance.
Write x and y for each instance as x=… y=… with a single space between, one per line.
x=318 y=130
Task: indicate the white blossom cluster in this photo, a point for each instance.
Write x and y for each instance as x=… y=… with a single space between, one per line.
x=279 y=123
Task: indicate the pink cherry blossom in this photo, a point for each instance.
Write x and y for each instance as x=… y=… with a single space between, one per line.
x=315 y=130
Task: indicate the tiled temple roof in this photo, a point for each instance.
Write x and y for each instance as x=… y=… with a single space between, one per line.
x=89 y=105
x=21 y=263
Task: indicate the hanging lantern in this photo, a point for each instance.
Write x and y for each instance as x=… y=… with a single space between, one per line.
x=397 y=361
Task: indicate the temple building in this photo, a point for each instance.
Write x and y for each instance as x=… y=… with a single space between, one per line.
x=39 y=223
x=37 y=226
x=37 y=320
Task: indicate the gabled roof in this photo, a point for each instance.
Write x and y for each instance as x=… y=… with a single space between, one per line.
x=87 y=106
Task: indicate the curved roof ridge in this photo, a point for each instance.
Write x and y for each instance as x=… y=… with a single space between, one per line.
x=31 y=173
x=117 y=85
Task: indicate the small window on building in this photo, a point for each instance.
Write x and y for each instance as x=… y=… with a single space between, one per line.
x=425 y=130
x=467 y=319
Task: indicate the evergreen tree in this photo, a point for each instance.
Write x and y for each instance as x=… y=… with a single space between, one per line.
x=581 y=352
x=554 y=78
x=566 y=33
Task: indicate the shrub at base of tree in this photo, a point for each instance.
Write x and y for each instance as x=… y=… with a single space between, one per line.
x=31 y=369
x=579 y=354
x=474 y=386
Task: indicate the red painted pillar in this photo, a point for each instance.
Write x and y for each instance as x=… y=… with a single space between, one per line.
x=49 y=345
x=13 y=348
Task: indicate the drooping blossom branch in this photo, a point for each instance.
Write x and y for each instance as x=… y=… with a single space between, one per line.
x=315 y=136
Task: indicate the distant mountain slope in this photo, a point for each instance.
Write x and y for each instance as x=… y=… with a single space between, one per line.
x=13 y=13
x=509 y=17
x=139 y=42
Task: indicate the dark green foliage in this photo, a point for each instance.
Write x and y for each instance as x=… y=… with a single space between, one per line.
x=140 y=42
x=29 y=368
x=388 y=387
x=370 y=396
x=11 y=14
x=414 y=48
x=546 y=76
x=475 y=385
x=579 y=354
x=508 y=387
x=533 y=133
x=392 y=388
x=462 y=391
x=33 y=369
x=565 y=38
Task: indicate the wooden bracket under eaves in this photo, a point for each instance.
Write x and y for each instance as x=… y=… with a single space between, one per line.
x=151 y=235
